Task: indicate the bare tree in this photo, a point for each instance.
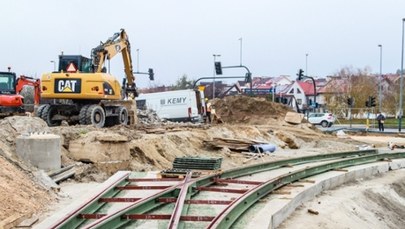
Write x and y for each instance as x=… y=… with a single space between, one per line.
x=358 y=84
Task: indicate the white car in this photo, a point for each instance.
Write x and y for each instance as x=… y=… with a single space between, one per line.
x=323 y=119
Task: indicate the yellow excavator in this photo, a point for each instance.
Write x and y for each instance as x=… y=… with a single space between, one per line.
x=82 y=92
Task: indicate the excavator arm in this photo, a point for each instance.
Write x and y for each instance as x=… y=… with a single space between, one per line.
x=118 y=43
x=29 y=81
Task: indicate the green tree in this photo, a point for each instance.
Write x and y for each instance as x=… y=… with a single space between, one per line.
x=183 y=83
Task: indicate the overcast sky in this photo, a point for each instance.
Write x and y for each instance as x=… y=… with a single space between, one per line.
x=177 y=37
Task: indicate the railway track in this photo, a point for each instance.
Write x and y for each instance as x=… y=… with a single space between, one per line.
x=214 y=201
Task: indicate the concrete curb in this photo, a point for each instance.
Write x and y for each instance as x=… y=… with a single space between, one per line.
x=280 y=207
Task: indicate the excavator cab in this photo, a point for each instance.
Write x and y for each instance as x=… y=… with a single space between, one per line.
x=83 y=64
x=7 y=83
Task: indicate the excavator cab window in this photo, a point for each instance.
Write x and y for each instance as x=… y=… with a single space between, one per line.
x=82 y=63
x=7 y=83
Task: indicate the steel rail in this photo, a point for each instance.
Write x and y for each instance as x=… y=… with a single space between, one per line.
x=233 y=211
x=72 y=220
x=88 y=210
x=122 y=216
x=178 y=208
x=266 y=166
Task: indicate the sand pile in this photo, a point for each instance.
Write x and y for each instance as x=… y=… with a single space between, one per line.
x=249 y=110
x=20 y=196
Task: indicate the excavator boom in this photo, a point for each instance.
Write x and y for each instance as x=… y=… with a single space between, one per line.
x=118 y=43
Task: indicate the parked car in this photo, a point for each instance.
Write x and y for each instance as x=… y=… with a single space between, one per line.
x=323 y=119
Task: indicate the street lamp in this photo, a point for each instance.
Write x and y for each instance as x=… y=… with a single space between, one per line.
x=54 y=65
x=380 y=81
x=274 y=91
x=306 y=63
x=137 y=60
x=240 y=51
x=402 y=78
x=213 y=83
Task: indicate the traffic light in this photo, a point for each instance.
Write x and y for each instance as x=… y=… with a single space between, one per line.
x=300 y=74
x=372 y=101
x=151 y=74
x=350 y=101
x=248 y=77
x=218 y=68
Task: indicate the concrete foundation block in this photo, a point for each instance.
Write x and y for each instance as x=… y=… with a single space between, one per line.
x=41 y=150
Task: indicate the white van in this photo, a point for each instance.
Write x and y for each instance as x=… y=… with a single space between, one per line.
x=176 y=106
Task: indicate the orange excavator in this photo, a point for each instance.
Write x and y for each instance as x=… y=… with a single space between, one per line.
x=11 y=102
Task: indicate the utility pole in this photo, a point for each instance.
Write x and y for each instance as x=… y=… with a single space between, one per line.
x=402 y=78
x=380 y=82
x=306 y=63
x=137 y=60
x=240 y=51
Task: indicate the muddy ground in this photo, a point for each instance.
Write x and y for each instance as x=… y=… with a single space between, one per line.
x=99 y=153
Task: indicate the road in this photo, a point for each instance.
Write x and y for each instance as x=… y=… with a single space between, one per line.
x=359 y=127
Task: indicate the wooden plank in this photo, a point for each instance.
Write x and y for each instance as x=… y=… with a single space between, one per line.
x=28 y=223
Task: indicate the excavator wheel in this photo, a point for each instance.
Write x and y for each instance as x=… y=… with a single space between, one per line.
x=83 y=115
x=39 y=111
x=47 y=113
x=95 y=116
x=122 y=116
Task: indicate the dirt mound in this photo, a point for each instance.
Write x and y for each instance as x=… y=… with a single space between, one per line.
x=20 y=196
x=249 y=110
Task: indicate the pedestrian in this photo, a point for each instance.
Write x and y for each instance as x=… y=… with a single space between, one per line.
x=208 y=110
x=380 y=119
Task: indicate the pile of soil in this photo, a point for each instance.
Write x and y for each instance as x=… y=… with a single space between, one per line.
x=249 y=110
x=20 y=195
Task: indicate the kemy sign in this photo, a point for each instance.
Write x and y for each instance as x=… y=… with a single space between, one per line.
x=173 y=101
x=68 y=85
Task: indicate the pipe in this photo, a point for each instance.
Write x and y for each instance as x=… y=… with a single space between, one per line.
x=261 y=148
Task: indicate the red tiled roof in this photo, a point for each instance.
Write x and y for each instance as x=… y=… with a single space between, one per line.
x=263 y=86
x=307 y=87
x=335 y=86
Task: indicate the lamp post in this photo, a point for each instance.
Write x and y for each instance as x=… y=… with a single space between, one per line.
x=240 y=51
x=137 y=60
x=380 y=81
x=306 y=63
x=401 y=82
x=213 y=83
x=274 y=91
x=54 y=65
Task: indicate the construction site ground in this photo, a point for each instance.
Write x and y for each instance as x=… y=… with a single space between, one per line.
x=99 y=153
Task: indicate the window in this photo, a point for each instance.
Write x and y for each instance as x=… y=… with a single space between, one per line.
x=299 y=101
x=7 y=82
x=298 y=91
x=292 y=91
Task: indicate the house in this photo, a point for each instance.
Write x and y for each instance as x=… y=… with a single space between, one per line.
x=266 y=85
x=300 y=94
